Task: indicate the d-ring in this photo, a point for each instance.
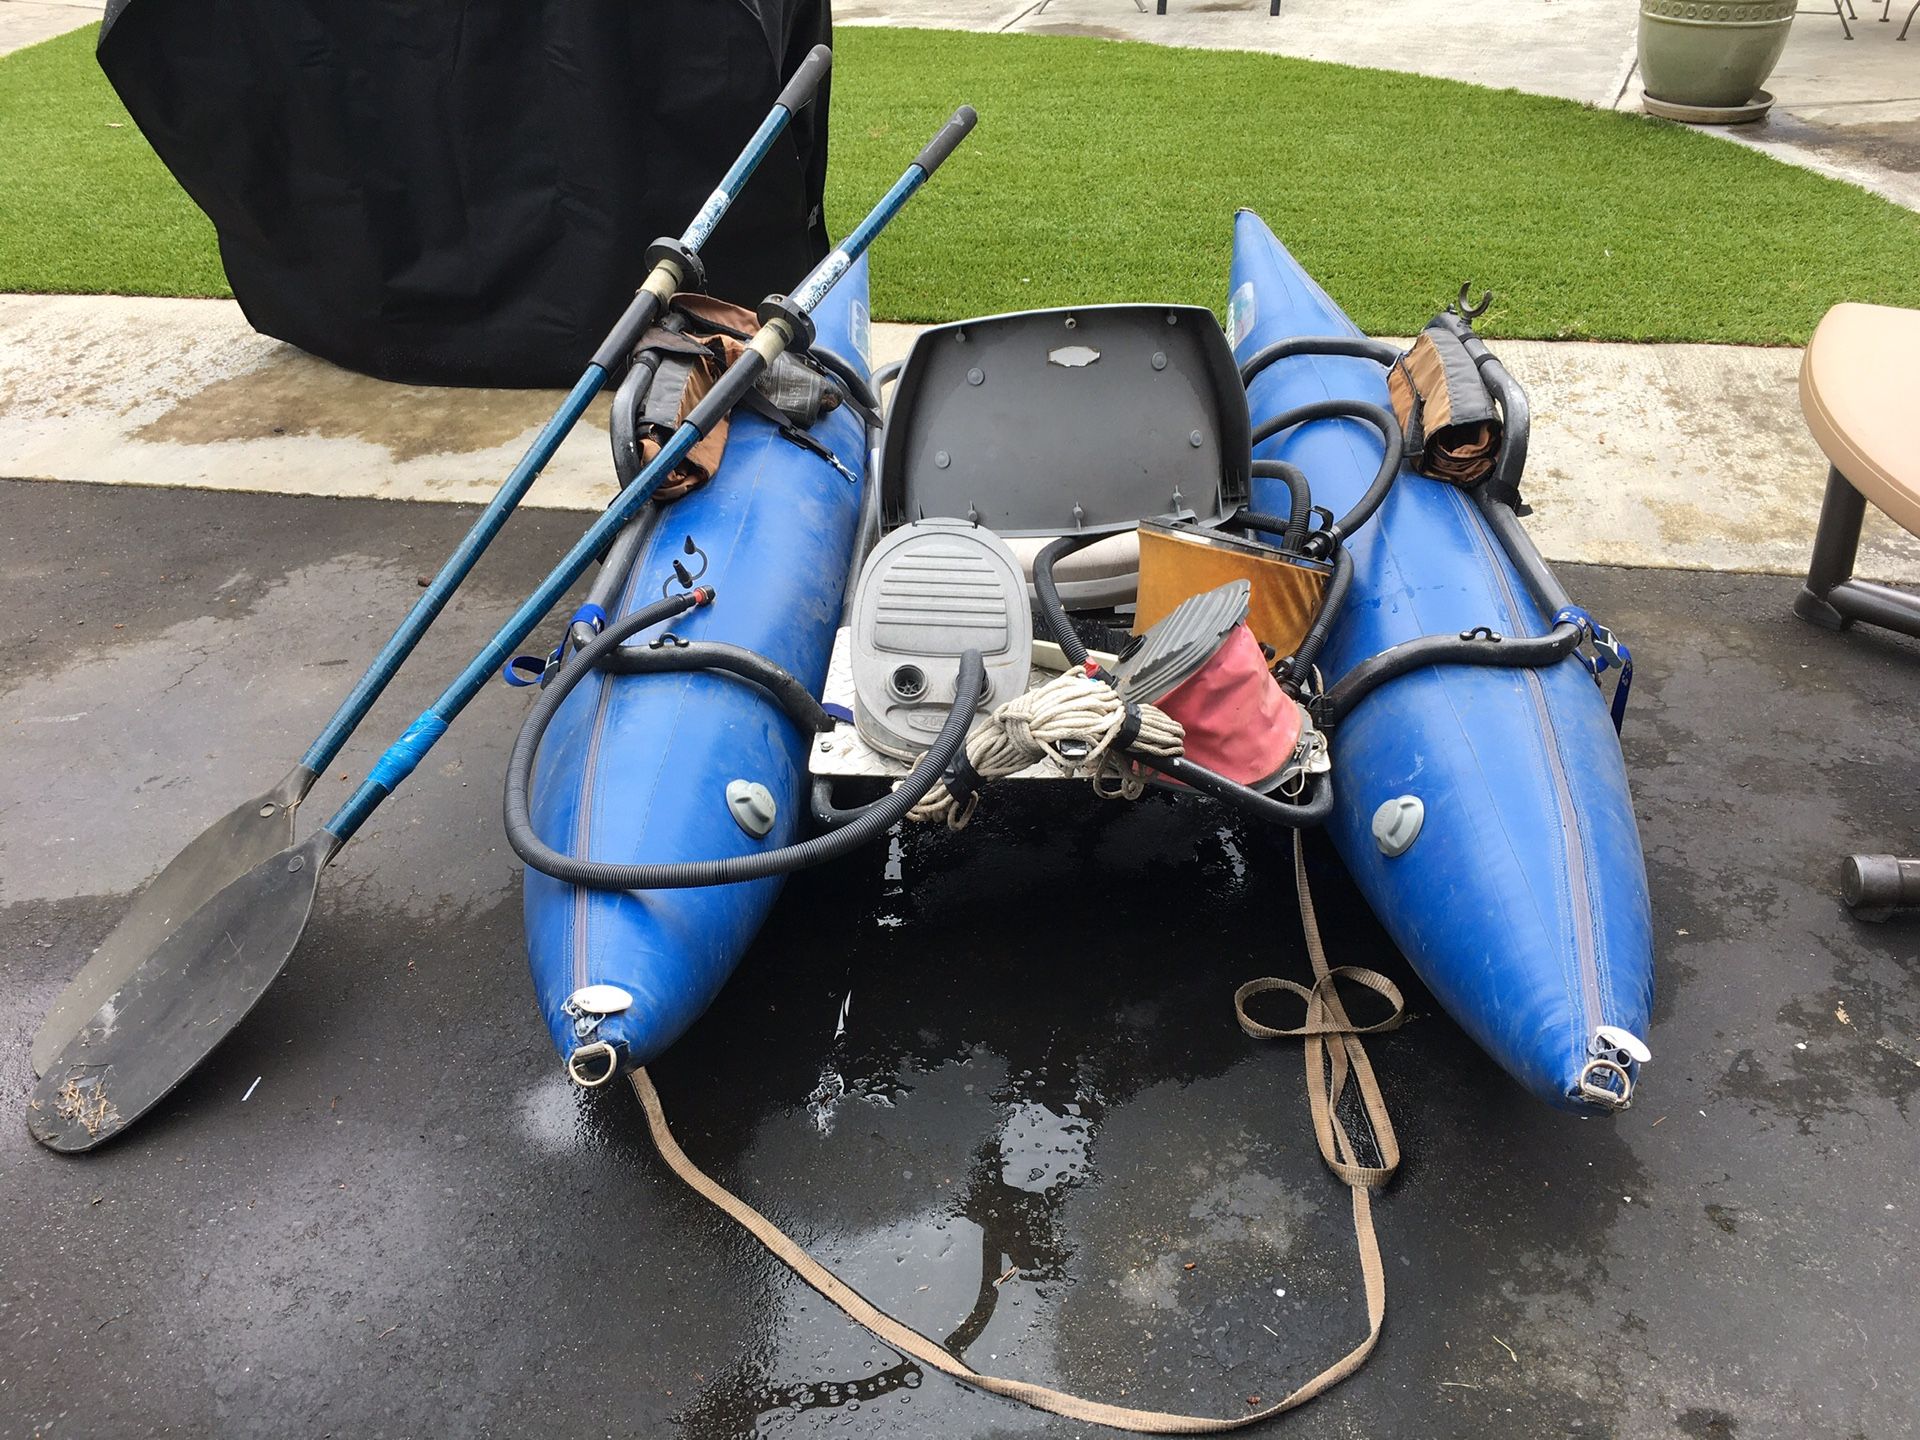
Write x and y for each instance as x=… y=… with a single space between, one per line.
x=1617 y=1097
x=588 y=1081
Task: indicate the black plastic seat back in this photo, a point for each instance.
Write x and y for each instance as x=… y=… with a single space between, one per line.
x=1068 y=422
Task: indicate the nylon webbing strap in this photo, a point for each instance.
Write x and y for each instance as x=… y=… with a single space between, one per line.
x=1328 y=1071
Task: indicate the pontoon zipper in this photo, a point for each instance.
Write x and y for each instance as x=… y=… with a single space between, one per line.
x=583 y=826
x=1571 y=837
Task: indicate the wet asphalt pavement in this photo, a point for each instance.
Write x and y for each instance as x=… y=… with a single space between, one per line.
x=1040 y=1114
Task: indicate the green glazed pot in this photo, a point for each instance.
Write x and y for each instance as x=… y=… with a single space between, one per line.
x=1710 y=53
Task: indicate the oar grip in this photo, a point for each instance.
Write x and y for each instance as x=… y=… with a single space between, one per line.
x=942 y=145
x=806 y=79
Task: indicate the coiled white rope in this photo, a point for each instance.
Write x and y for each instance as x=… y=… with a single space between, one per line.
x=1071 y=720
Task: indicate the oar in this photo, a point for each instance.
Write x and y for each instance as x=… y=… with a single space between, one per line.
x=233 y=845
x=207 y=974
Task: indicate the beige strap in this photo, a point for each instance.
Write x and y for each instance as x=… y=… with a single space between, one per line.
x=1325 y=1017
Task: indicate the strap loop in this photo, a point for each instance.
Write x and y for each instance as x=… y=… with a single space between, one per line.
x=1609 y=653
x=523 y=670
x=1325 y=1017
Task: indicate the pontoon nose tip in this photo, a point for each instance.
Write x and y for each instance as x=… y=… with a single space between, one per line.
x=592 y=1066
x=1607 y=1078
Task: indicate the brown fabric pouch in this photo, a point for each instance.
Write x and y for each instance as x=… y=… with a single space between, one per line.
x=1452 y=426
x=711 y=337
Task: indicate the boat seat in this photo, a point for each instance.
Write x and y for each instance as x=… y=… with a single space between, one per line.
x=1076 y=421
x=1856 y=391
x=1101 y=577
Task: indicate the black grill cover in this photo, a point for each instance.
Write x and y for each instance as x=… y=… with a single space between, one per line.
x=460 y=191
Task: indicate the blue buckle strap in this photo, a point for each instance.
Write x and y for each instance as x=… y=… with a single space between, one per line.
x=1608 y=654
x=523 y=670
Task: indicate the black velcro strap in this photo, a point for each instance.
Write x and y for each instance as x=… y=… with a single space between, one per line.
x=963 y=782
x=1129 y=728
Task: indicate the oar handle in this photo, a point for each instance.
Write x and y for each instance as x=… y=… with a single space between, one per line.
x=783 y=319
x=669 y=271
x=806 y=80
x=957 y=128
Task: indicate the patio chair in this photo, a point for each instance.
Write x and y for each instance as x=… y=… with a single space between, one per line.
x=1856 y=391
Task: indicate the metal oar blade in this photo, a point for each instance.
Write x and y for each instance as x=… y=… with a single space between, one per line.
x=200 y=983
x=223 y=852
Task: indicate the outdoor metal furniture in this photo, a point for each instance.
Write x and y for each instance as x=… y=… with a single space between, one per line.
x=1886 y=14
x=1856 y=393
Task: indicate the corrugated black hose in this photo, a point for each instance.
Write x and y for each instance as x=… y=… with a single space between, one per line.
x=792 y=696
x=1393 y=446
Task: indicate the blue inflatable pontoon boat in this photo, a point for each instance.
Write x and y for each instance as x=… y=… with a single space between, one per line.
x=637 y=767
x=1476 y=787
x=1523 y=900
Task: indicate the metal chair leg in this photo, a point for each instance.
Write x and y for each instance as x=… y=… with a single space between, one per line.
x=1875 y=886
x=1909 y=25
x=1832 y=598
x=1836 y=545
x=1838 y=10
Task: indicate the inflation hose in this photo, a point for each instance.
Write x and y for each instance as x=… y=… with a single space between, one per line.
x=1301 y=662
x=1048 y=594
x=873 y=822
x=1381 y=419
x=1299 y=502
x=1360 y=347
x=1474 y=647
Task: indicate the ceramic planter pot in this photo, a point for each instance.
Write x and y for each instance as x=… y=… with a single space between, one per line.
x=1711 y=54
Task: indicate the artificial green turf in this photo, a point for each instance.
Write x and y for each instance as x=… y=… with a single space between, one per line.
x=1110 y=171
x=85 y=206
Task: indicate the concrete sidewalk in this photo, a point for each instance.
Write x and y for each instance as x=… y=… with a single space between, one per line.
x=1670 y=456
x=28 y=22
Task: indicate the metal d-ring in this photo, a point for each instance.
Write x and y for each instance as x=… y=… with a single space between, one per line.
x=586 y=1080
x=1617 y=1098
x=1471 y=312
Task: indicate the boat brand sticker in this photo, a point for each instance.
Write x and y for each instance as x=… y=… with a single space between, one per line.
x=860 y=331
x=709 y=215
x=1242 y=310
x=823 y=279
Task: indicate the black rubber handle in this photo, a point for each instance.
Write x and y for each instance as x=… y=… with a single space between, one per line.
x=951 y=134
x=806 y=79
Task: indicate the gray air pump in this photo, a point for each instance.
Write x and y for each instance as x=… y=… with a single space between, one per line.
x=928 y=592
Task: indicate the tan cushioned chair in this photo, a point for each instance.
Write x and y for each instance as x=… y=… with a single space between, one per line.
x=1861 y=398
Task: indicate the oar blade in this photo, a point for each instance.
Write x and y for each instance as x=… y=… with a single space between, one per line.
x=221 y=854
x=174 y=1009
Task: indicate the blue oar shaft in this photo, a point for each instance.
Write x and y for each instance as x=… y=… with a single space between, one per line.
x=406 y=753
x=458 y=566
x=639 y=315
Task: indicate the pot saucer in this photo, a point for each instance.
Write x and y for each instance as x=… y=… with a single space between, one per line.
x=1754 y=109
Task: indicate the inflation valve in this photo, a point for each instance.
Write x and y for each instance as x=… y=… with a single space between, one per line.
x=752 y=806
x=1396 y=824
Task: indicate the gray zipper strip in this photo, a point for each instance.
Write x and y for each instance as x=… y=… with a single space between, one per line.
x=1579 y=887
